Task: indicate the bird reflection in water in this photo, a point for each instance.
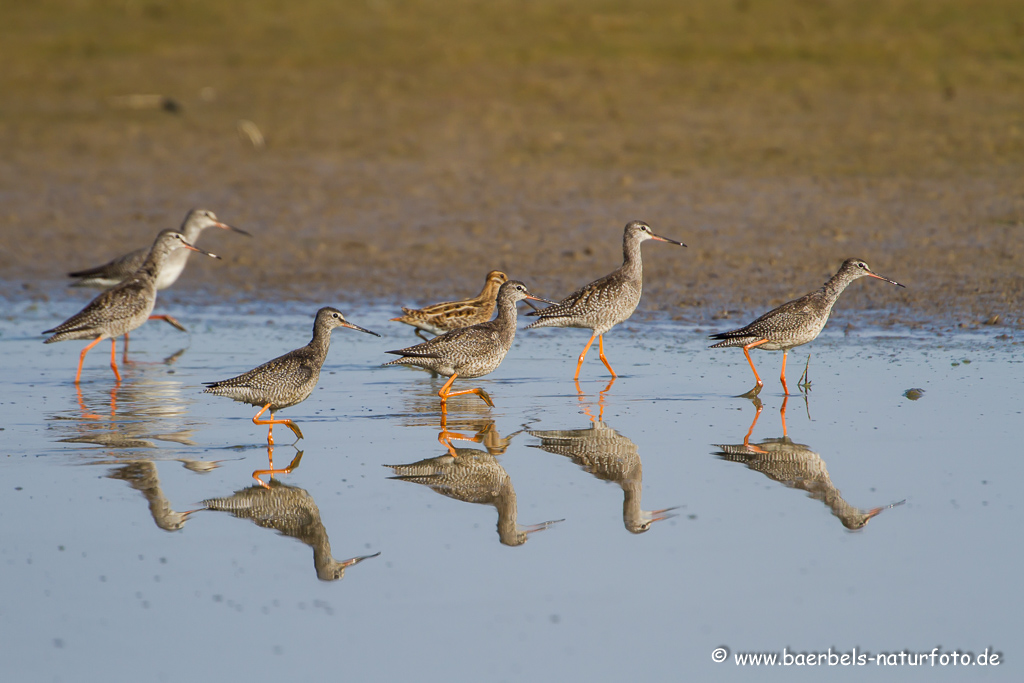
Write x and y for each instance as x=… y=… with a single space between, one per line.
x=473 y=476
x=292 y=512
x=796 y=466
x=141 y=412
x=609 y=456
x=142 y=476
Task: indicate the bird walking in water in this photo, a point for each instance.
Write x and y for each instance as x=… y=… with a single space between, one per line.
x=606 y=302
x=127 y=306
x=470 y=351
x=795 y=322
x=287 y=380
x=452 y=315
x=118 y=270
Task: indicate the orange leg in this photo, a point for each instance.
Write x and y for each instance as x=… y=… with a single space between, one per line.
x=270 y=458
x=600 y=350
x=583 y=355
x=746 y=352
x=270 y=432
x=113 y=358
x=446 y=392
x=81 y=358
x=746 y=439
x=169 y=320
x=783 y=375
x=782 y=413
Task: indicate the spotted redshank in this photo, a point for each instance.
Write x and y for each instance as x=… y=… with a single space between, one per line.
x=795 y=322
x=127 y=306
x=604 y=303
x=288 y=379
x=452 y=315
x=116 y=271
x=470 y=351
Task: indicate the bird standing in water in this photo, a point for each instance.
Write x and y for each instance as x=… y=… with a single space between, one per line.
x=470 y=351
x=127 y=306
x=287 y=380
x=795 y=322
x=606 y=302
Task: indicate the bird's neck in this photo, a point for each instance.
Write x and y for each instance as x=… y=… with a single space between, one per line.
x=631 y=262
x=321 y=341
x=507 y=314
x=835 y=286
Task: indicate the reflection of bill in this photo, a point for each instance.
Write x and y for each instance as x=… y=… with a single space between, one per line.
x=143 y=477
x=473 y=476
x=292 y=512
x=796 y=466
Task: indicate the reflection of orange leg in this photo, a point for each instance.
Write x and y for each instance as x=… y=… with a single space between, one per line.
x=782 y=413
x=746 y=352
x=785 y=352
x=270 y=458
x=600 y=350
x=81 y=358
x=446 y=392
x=113 y=358
x=583 y=355
x=270 y=432
x=746 y=439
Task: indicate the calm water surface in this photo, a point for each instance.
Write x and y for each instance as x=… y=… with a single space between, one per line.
x=106 y=576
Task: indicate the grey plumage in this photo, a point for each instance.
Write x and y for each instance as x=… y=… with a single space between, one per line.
x=608 y=301
x=603 y=452
x=795 y=322
x=799 y=321
x=292 y=512
x=796 y=466
x=117 y=270
x=288 y=379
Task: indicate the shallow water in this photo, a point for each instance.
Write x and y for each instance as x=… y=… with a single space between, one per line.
x=104 y=575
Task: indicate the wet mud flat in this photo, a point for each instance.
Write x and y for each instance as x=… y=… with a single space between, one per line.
x=547 y=553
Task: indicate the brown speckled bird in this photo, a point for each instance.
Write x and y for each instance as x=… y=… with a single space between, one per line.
x=795 y=322
x=452 y=315
x=127 y=306
x=288 y=379
x=470 y=351
x=606 y=302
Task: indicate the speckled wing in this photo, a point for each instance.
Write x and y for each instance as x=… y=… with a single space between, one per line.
x=463 y=342
x=118 y=269
x=278 y=377
x=594 y=298
x=121 y=303
x=778 y=324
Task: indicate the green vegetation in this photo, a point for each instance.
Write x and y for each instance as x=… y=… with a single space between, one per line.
x=868 y=87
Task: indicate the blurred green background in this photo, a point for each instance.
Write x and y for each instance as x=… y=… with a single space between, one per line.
x=915 y=87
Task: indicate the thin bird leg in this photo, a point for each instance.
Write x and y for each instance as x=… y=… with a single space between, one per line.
x=600 y=350
x=113 y=359
x=583 y=355
x=169 y=320
x=746 y=352
x=782 y=414
x=81 y=358
x=270 y=432
x=446 y=392
x=746 y=439
x=783 y=375
x=270 y=458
